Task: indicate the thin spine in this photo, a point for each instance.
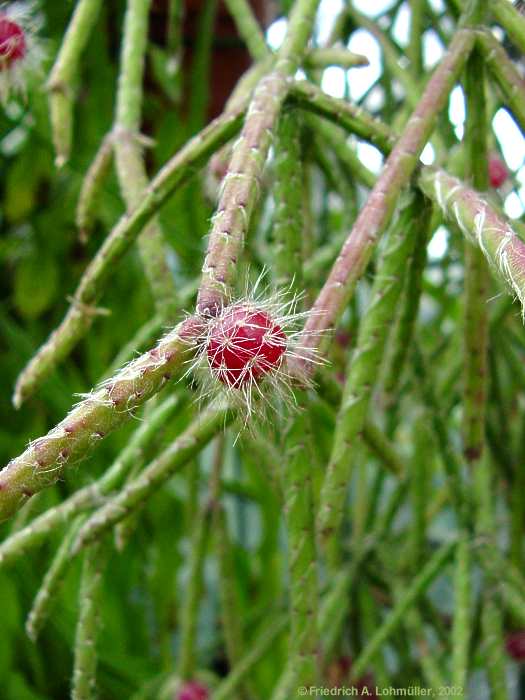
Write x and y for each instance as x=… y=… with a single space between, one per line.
x=112 y=404
x=375 y=215
x=288 y=197
x=504 y=73
x=91 y=187
x=366 y=360
x=134 y=494
x=416 y=589
x=248 y=28
x=480 y=224
x=51 y=584
x=302 y=555
x=240 y=186
x=128 y=154
x=88 y=625
x=79 y=317
x=258 y=649
x=42 y=526
x=63 y=74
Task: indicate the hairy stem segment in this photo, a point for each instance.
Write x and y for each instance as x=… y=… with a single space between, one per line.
x=78 y=319
x=481 y=225
x=88 y=625
x=61 y=79
x=113 y=403
x=364 y=366
x=128 y=155
x=42 y=526
x=240 y=186
x=376 y=213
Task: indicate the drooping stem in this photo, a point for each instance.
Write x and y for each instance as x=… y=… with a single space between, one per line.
x=302 y=555
x=376 y=213
x=91 y=187
x=481 y=225
x=364 y=367
x=46 y=458
x=51 y=585
x=417 y=588
x=42 y=526
x=78 y=319
x=288 y=197
x=88 y=625
x=240 y=186
x=63 y=74
x=128 y=155
x=505 y=73
x=248 y=28
x=137 y=491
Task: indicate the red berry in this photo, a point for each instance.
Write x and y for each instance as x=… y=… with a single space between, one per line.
x=193 y=690
x=12 y=43
x=244 y=344
x=515 y=645
x=497 y=172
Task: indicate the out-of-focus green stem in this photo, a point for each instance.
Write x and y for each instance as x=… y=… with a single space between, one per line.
x=88 y=625
x=63 y=74
x=417 y=588
x=364 y=367
x=375 y=215
x=137 y=491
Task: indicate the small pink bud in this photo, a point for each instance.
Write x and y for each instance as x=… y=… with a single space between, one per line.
x=498 y=173
x=515 y=645
x=193 y=690
x=244 y=344
x=13 y=46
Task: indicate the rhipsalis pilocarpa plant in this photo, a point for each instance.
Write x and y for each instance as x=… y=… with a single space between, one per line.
x=263 y=334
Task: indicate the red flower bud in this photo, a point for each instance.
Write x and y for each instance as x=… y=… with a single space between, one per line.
x=244 y=344
x=13 y=46
x=193 y=690
x=498 y=173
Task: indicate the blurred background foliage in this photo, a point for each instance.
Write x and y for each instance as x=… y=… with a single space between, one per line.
x=42 y=260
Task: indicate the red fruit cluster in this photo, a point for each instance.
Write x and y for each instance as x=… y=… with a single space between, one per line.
x=515 y=645
x=12 y=43
x=498 y=173
x=244 y=344
x=193 y=690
